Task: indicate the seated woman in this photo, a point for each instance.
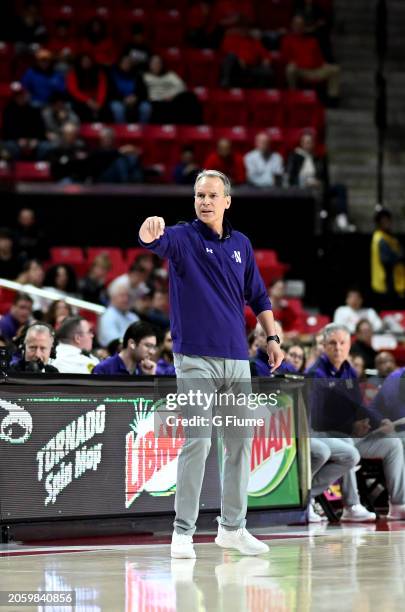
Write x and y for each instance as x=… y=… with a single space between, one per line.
x=87 y=87
x=171 y=102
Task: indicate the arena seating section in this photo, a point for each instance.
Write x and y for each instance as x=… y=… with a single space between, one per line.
x=236 y=114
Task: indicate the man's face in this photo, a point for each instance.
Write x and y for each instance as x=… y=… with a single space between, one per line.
x=263 y=143
x=145 y=349
x=365 y=332
x=21 y=311
x=354 y=300
x=385 y=364
x=210 y=201
x=337 y=347
x=224 y=147
x=84 y=337
x=120 y=299
x=38 y=346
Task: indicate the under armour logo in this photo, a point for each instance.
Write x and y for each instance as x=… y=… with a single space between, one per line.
x=209 y=250
x=236 y=256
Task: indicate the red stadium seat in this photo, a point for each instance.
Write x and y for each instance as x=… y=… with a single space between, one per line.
x=161 y=144
x=237 y=134
x=168 y=29
x=126 y=18
x=90 y=132
x=203 y=95
x=228 y=107
x=84 y=14
x=269 y=266
x=72 y=256
x=200 y=137
x=32 y=171
x=129 y=133
x=6 y=299
x=202 y=67
x=396 y=315
x=312 y=324
x=132 y=254
x=265 y=107
x=303 y=109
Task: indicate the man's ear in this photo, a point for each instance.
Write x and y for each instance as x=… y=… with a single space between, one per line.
x=228 y=201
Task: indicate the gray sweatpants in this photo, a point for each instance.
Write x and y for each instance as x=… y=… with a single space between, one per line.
x=331 y=458
x=211 y=374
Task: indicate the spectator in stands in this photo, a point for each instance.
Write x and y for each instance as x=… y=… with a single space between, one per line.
x=362 y=344
x=202 y=32
x=128 y=93
x=10 y=265
x=246 y=63
x=30 y=240
x=23 y=127
x=385 y=364
x=165 y=363
x=187 y=169
x=281 y=309
x=61 y=279
x=228 y=161
x=135 y=280
x=338 y=408
x=305 y=168
x=390 y=400
x=92 y=287
x=19 y=314
x=304 y=61
x=317 y=24
x=28 y=29
x=315 y=350
x=152 y=306
x=171 y=102
x=36 y=346
x=253 y=344
x=110 y=164
x=32 y=277
x=387 y=263
x=56 y=114
x=63 y=44
x=295 y=355
x=87 y=86
x=231 y=13
x=138 y=48
x=58 y=311
x=264 y=167
x=115 y=320
x=75 y=342
x=136 y=355
x=68 y=160
x=42 y=80
x=359 y=366
x=97 y=42
x=353 y=312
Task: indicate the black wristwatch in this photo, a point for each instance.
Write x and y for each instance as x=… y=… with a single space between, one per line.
x=273 y=338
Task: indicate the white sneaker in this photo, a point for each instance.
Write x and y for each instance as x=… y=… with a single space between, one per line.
x=357 y=514
x=240 y=539
x=396 y=512
x=182 y=546
x=313 y=516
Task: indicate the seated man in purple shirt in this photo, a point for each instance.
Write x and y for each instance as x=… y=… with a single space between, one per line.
x=18 y=315
x=343 y=423
x=390 y=400
x=135 y=358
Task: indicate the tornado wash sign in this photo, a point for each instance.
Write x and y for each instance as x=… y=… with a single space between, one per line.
x=151 y=460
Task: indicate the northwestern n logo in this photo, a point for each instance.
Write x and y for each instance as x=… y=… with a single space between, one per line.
x=237 y=256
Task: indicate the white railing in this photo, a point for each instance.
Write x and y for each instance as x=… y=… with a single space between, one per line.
x=51 y=295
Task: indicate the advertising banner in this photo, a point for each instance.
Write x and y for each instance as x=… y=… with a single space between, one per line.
x=90 y=450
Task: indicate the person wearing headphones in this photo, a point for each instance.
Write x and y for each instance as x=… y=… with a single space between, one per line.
x=37 y=347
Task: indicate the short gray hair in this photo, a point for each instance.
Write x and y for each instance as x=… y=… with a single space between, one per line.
x=331 y=328
x=215 y=174
x=38 y=329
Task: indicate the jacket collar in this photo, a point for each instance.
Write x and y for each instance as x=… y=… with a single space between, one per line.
x=207 y=232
